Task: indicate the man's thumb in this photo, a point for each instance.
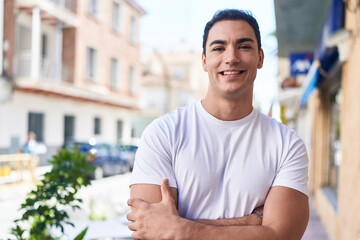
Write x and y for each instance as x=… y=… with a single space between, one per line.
x=165 y=190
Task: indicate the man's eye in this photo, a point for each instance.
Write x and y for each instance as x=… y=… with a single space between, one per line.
x=245 y=47
x=218 y=48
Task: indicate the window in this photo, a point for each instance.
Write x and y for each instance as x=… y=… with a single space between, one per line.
x=116 y=17
x=133 y=133
x=97 y=126
x=24 y=44
x=46 y=68
x=133 y=30
x=93 y=7
x=23 y=62
x=44 y=45
x=91 y=63
x=119 y=130
x=131 y=83
x=335 y=144
x=36 y=125
x=114 y=73
x=331 y=101
x=69 y=128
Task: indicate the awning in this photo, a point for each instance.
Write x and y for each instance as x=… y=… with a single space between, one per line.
x=319 y=71
x=311 y=82
x=327 y=57
x=334 y=22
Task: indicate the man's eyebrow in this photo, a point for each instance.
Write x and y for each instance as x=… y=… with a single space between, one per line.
x=246 y=39
x=217 y=42
x=238 y=41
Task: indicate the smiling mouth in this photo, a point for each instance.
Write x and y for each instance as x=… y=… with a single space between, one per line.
x=230 y=73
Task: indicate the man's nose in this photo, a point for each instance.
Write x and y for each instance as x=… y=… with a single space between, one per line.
x=231 y=57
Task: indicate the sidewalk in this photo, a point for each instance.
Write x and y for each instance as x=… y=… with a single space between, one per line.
x=315 y=230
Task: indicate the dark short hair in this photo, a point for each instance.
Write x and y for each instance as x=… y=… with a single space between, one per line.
x=232 y=14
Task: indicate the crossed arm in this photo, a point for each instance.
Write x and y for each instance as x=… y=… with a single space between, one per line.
x=154 y=216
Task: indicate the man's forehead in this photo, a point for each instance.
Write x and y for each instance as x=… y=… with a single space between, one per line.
x=222 y=30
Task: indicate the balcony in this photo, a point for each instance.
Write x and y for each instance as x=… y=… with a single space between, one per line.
x=49 y=69
x=53 y=81
x=52 y=10
x=68 y=4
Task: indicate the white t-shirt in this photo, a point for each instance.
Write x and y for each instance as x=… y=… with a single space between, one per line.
x=222 y=169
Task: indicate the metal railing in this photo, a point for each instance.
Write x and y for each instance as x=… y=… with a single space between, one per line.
x=48 y=69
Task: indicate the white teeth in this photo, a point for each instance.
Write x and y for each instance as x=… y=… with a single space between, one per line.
x=231 y=72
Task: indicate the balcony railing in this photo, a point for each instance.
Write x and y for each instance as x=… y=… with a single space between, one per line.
x=48 y=68
x=68 y=4
x=63 y=10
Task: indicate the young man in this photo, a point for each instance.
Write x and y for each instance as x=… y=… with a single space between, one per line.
x=30 y=145
x=221 y=158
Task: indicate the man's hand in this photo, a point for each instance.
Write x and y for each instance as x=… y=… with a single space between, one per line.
x=154 y=220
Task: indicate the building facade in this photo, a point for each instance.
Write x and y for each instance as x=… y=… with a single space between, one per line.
x=335 y=106
x=330 y=101
x=74 y=68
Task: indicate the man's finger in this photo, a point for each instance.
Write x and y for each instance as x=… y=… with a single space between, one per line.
x=136 y=203
x=133 y=226
x=165 y=190
x=131 y=216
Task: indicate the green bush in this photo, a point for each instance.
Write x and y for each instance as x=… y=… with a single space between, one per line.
x=44 y=209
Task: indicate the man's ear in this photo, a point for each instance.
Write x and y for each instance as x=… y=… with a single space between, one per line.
x=203 y=60
x=261 y=59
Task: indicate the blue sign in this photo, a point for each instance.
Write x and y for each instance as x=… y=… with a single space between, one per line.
x=300 y=63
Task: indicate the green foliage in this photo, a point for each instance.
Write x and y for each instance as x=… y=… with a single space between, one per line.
x=44 y=209
x=81 y=235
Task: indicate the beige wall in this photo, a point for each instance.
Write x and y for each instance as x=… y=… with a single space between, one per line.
x=343 y=224
x=98 y=33
x=350 y=137
x=68 y=54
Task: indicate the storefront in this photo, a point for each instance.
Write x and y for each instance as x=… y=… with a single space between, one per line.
x=333 y=101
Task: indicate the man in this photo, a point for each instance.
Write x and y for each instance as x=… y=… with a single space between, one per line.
x=221 y=158
x=30 y=146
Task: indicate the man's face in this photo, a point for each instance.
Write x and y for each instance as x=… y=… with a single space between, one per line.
x=232 y=59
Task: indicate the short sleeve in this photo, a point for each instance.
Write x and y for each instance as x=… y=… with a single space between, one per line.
x=293 y=172
x=153 y=159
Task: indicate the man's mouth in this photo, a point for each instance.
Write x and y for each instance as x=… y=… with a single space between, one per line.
x=232 y=72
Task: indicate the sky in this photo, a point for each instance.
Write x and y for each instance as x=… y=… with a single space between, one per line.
x=169 y=22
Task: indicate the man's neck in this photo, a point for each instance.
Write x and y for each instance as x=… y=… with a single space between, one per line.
x=227 y=110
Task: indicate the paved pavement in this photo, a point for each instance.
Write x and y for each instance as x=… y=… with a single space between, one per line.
x=315 y=230
x=104 y=198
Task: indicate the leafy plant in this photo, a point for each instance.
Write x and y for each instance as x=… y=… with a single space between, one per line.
x=44 y=210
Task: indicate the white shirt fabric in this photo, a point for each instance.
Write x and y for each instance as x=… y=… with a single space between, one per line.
x=222 y=169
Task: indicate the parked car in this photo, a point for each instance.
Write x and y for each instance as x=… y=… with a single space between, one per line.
x=106 y=158
x=128 y=152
